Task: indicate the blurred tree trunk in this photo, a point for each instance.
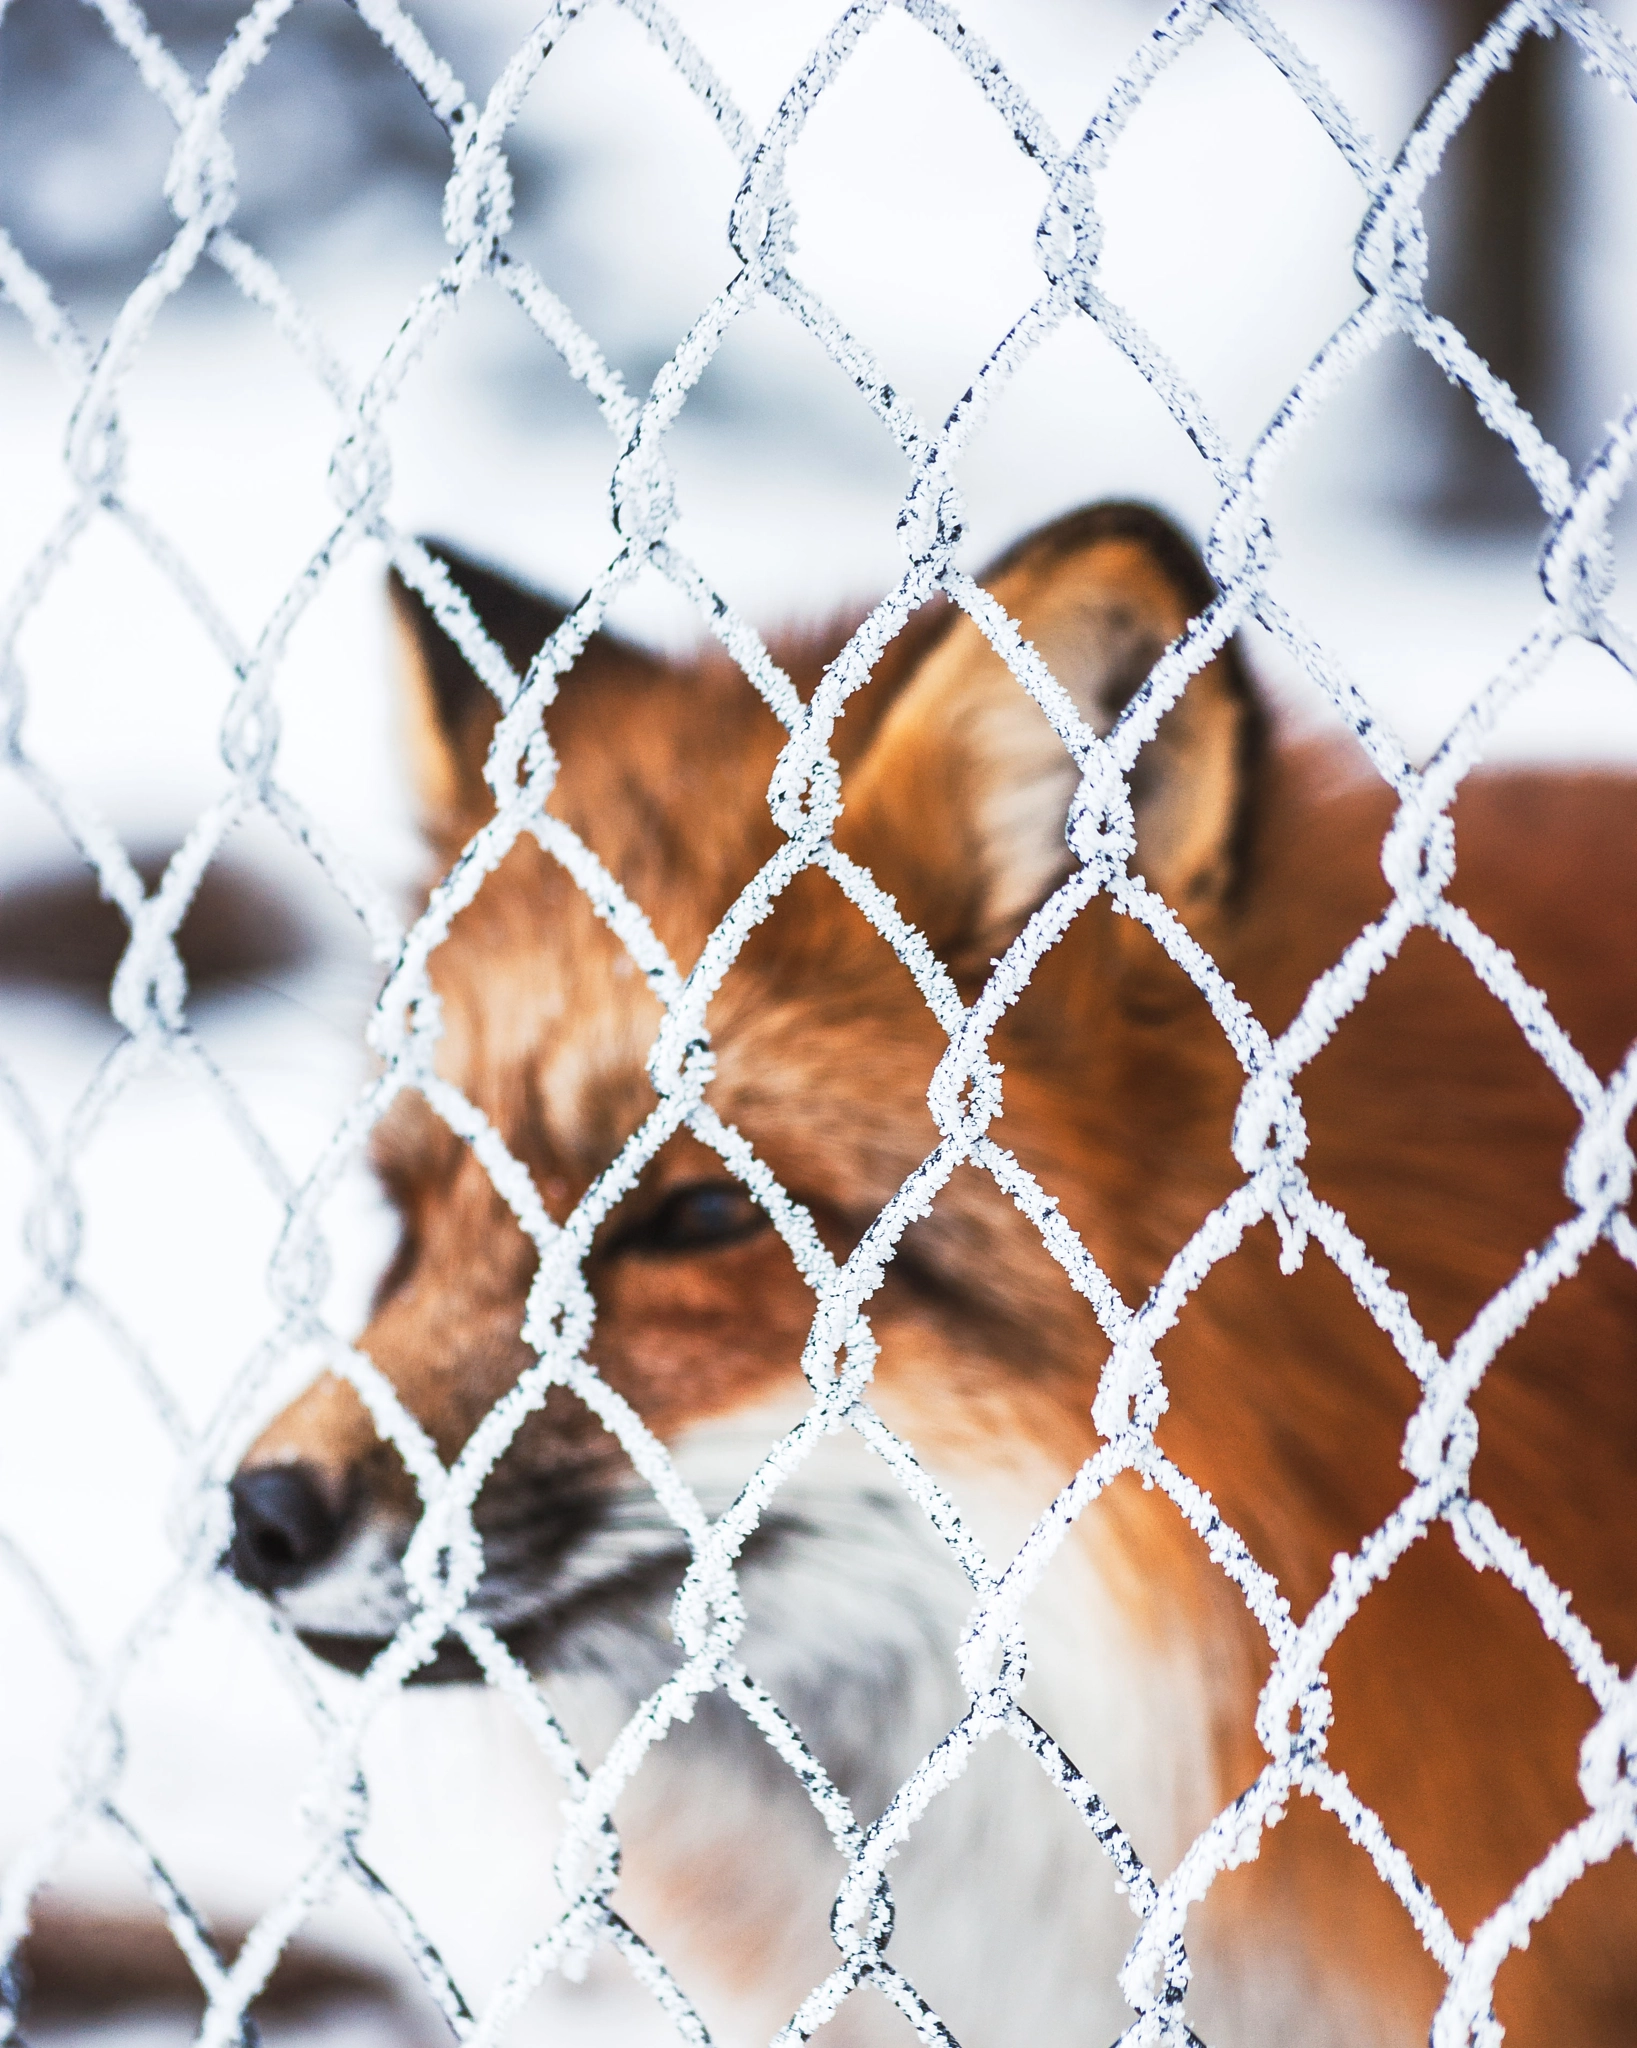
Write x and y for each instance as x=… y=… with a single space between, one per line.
x=1497 y=223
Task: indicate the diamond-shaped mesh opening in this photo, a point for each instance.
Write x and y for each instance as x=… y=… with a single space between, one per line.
x=1279 y=278
x=783 y=1470
x=933 y=197
x=71 y=94
x=1487 y=1661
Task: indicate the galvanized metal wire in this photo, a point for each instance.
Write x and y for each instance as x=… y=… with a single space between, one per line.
x=149 y=1003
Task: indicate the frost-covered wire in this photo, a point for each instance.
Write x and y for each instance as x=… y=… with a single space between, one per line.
x=149 y=1001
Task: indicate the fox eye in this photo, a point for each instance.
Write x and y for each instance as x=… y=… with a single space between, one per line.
x=701 y=1217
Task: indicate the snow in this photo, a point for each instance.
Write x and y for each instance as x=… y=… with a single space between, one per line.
x=1230 y=223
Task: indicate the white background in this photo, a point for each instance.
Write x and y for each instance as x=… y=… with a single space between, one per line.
x=1230 y=221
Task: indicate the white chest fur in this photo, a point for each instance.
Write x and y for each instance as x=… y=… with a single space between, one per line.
x=1008 y=1916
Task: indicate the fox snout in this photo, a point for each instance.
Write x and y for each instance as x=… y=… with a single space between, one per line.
x=287 y=1522
x=323 y=1513
x=320 y=1523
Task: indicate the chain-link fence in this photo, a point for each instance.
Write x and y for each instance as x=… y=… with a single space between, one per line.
x=443 y=1565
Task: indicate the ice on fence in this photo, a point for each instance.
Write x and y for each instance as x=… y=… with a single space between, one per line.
x=915 y=221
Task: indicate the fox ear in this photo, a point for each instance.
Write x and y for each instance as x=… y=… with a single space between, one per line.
x=451 y=711
x=965 y=790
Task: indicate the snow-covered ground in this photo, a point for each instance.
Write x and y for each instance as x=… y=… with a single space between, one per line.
x=1229 y=229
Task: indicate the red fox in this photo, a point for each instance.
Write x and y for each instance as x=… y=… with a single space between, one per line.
x=1432 y=1125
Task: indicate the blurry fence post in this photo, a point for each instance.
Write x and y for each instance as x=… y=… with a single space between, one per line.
x=1498 y=216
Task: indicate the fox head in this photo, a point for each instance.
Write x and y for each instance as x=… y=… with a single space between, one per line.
x=955 y=795
x=1434 y=1129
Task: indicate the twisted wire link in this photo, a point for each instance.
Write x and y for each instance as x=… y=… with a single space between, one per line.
x=444 y=1560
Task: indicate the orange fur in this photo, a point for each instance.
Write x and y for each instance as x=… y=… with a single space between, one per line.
x=1434 y=1127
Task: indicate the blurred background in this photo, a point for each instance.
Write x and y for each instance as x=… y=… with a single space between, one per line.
x=1408 y=541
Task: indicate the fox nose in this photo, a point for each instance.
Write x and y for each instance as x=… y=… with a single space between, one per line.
x=284 y=1526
